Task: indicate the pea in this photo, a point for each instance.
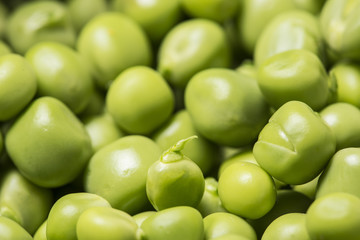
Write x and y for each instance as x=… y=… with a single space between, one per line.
x=118 y=172
x=217 y=10
x=102 y=130
x=226 y=107
x=24 y=202
x=334 y=216
x=246 y=190
x=156 y=17
x=280 y=35
x=309 y=189
x=39 y=21
x=222 y=224
x=176 y=223
x=341 y=173
x=140 y=100
x=105 y=223
x=294 y=75
x=65 y=213
x=170 y=178
x=40 y=233
x=48 y=143
x=344 y=127
x=122 y=44
x=10 y=230
x=186 y=50
x=141 y=217
x=290 y=226
x=4 y=48
x=16 y=72
x=204 y=153
x=61 y=73
x=287 y=145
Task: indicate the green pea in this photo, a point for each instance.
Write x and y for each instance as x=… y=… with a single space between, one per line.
x=16 y=72
x=343 y=119
x=10 y=230
x=347 y=78
x=40 y=233
x=24 y=202
x=176 y=223
x=141 y=217
x=204 y=153
x=280 y=35
x=65 y=213
x=113 y=42
x=38 y=21
x=156 y=17
x=61 y=73
x=294 y=75
x=287 y=201
x=82 y=11
x=295 y=145
x=4 y=48
x=334 y=216
x=210 y=202
x=253 y=17
x=118 y=172
x=105 y=223
x=339 y=27
x=246 y=190
x=186 y=50
x=309 y=188
x=290 y=226
x=247 y=68
x=341 y=173
x=170 y=178
x=102 y=130
x=140 y=100
x=217 y=10
x=48 y=144
x=226 y=107
x=222 y=224
x=230 y=237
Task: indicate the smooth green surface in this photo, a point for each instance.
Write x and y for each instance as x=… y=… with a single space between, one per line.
x=40 y=233
x=65 y=213
x=287 y=145
x=247 y=190
x=186 y=50
x=112 y=42
x=222 y=224
x=37 y=21
x=176 y=223
x=334 y=216
x=226 y=107
x=48 y=144
x=61 y=73
x=122 y=165
x=10 y=230
x=16 y=71
x=4 y=48
x=140 y=100
x=23 y=201
x=141 y=217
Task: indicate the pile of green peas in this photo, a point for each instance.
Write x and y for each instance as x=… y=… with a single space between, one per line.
x=180 y=120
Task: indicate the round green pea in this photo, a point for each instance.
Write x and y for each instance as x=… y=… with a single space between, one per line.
x=10 y=230
x=113 y=42
x=294 y=75
x=38 y=21
x=140 y=100
x=290 y=226
x=176 y=223
x=118 y=172
x=65 y=213
x=334 y=216
x=156 y=17
x=226 y=107
x=61 y=73
x=48 y=143
x=141 y=217
x=186 y=50
x=16 y=71
x=247 y=190
x=222 y=224
x=105 y=223
x=295 y=145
